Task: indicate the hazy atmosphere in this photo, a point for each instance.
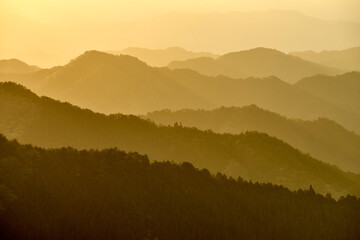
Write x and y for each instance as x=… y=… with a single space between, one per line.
x=48 y=33
x=155 y=120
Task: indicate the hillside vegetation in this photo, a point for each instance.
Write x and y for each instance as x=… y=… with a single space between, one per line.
x=322 y=138
x=109 y=194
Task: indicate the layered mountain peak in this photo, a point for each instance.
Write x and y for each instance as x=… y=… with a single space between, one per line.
x=162 y=57
x=16 y=66
x=257 y=62
x=259 y=51
x=98 y=58
x=347 y=59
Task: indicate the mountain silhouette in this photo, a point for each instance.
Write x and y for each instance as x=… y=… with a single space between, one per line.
x=258 y=62
x=342 y=90
x=16 y=66
x=110 y=84
x=322 y=138
x=252 y=155
x=268 y=93
x=347 y=59
x=162 y=57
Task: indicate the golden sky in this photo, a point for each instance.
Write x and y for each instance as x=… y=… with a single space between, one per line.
x=51 y=32
x=62 y=11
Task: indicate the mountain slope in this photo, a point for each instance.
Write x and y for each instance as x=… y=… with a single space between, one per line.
x=268 y=93
x=70 y=194
x=322 y=138
x=48 y=123
x=109 y=83
x=343 y=90
x=16 y=66
x=162 y=57
x=258 y=62
x=347 y=59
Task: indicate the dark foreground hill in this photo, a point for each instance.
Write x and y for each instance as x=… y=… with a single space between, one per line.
x=74 y=195
x=322 y=138
x=251 y=155
x=258 y=62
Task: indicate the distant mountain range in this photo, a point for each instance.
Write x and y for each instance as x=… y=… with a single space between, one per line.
x=162 y=57
x=256 y=156
x=258 y=62
x=16 y=66
x=268 y=93
x=111 y=84
x=108 y=83
x=347 y=59
x=322 y=138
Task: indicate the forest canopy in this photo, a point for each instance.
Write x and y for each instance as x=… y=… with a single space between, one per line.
x=110 y=194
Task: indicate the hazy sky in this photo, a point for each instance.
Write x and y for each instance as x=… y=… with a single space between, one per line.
x=63 y=11
x=50 y=32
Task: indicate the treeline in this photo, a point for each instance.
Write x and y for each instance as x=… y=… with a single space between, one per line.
x=109 y=194
x=322 y=138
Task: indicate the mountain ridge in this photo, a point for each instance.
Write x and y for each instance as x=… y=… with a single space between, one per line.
x=341 y=89
x=16 y=66
x=257 y=62
x=111 y=84
x=161 y=57
x=124 y=81
x=347 y=59
x=322 y=138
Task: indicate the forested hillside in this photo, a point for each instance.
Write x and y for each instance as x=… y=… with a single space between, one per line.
x=322 y=138
x=251 y=155
x=179 y=120
x=109 y=194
